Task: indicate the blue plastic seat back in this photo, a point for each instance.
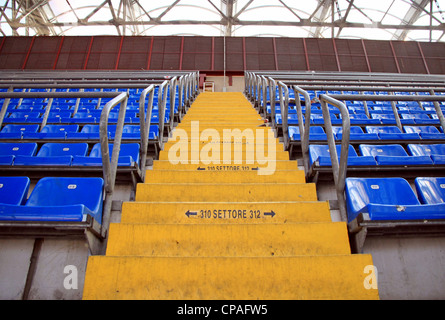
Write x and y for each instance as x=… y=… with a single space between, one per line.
x=126 y=149
x=56 y=191
x=56 y=128
x=22 y=149
x=382 y=150
x=420 y=129
x=316 y=151
x=430 y=190
x=382 y=191
x=426 y=149
x=389 y=129
x=63 y=149
x=14 y=190
x=17 y=128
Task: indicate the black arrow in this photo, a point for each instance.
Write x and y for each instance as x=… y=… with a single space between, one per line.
x=255 y=168
x=200 y=169
x=271 y=213
x=190 y=213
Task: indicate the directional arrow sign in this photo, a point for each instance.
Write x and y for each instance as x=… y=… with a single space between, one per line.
x=271 y=213
x=191 y=213
x=255 y=169
x=200 y=169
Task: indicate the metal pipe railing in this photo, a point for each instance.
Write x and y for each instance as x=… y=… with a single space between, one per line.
x=338 y=169
x=144 y=122
x=110 y=166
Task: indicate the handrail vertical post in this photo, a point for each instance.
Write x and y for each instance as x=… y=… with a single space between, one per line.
x=338 y=169
x=110 y=166
x=144 y=122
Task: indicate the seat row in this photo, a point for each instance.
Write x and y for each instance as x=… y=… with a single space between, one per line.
x=391 y=154
x=52 y=199
x=372 y=133
x=16 y=131
x=63 y=154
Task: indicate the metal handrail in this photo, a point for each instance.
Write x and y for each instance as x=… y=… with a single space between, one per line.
x=303 y=123
x=110 y=166
x=162 y=100
x=144 y=122
x=283 y=91
x=338 y=169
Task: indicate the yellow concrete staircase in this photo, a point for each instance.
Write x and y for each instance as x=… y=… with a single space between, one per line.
x=226 y=230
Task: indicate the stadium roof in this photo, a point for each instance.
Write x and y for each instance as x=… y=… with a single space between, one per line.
x=413 y=20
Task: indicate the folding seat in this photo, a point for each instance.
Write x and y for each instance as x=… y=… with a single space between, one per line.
x=14 y=190
x=435 y=151
x=8 y=151
x=59 y=199
x=362 y=118
x=291 y=118
x=321 y=154
x=425 y=132
x=90 y=131
x=392 y=133
x=52 y=131
x=57 y=116
x=356 y=133
x=15 y=131
x=134 y=132
x=128 y=155
x=430 y=190
x=387 y=199
x=317 y=118
x=420 y=118
x=54 y=154
x=21 y=117
x=315 y=133
x=393 y=154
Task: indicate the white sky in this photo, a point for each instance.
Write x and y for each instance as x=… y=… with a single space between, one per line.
x=365 y=11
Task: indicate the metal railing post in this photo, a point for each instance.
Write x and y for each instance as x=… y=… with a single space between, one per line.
x=338 y=169
x=144 y=122
x=110 y=166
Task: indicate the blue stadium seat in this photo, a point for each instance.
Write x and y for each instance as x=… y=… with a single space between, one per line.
x=420 y=118
x=134 y=132
x=315 y=133
x=59 y=199
x=392 y=133
x=8 y=151
x=128 y=155
x=362 y=118
x=14 y=190
x=321 y=153
x=54 y=154
x=52 y=131
x=387 y=199
x=435 y=151
x=430 y=190
x=356 y=133
x=32 y=117
x=393 y=154
x=425 y=132
x=15 y=131
x=90 y=131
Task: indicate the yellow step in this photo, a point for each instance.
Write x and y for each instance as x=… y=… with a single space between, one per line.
x=231 y=157
x=228 y=212
x=225 y=144
x=204 y=176
x=218 y=278
x=228 y=240
x=279 y=165
x=226 y=193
